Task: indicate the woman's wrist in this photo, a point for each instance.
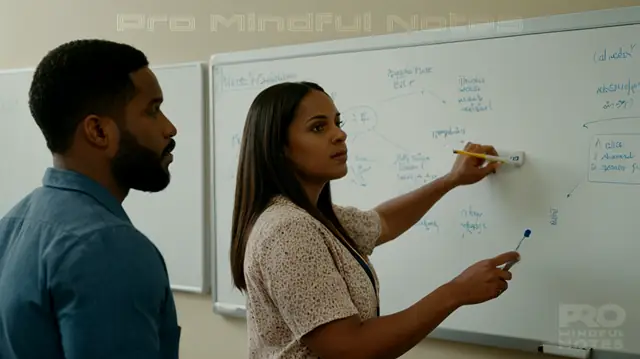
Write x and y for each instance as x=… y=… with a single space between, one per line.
x=452 y=295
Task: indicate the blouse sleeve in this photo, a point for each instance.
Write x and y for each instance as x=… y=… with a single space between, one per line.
x=301 y=278
x=363 y=226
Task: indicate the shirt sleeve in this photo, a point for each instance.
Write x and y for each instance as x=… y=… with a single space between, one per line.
x=301 y=278
x=112 y=298
x=364 y=227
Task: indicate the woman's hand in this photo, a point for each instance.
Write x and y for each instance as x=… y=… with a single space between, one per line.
x=468 y=170
x=483 y=280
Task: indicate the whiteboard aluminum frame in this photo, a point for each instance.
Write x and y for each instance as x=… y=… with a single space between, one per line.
x=511 y=28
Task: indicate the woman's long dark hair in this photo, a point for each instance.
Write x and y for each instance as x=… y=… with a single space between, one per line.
x=264 y=172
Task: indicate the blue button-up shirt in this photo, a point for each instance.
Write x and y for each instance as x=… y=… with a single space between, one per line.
x=78 y=281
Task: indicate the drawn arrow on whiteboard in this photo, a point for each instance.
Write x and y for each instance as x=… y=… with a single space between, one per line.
x=580 y=183
x=419 y=92
x=586 y=125
x=436 y=96
x=572 y=190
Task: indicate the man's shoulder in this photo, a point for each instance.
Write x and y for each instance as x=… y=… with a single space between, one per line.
x=122 y=241
x=68 y=212
x=118 y=258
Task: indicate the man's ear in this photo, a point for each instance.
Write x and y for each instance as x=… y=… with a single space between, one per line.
x=99 y=131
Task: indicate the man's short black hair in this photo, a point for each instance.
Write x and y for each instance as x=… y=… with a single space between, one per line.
x=78 y=79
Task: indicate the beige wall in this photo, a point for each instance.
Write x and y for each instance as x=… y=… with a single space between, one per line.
x=28 y=28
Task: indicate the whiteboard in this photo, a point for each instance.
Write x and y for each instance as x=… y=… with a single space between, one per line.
x=173 y=219
x=20 y=139
x=562 y=89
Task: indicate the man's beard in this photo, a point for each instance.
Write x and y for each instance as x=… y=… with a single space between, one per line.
x=137 y=167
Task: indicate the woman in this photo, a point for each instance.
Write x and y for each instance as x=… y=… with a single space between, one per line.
x=303 y=261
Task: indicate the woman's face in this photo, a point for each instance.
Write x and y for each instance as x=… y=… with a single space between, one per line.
x=317 y=144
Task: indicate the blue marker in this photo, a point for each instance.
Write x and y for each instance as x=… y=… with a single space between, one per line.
x=527 y=234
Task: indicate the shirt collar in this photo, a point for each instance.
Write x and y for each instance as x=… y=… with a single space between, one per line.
x=74 y=181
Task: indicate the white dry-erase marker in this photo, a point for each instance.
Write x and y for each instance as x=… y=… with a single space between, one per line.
x=569 y=352
x=527 y=234
x=230 y=309
x=516 y=159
